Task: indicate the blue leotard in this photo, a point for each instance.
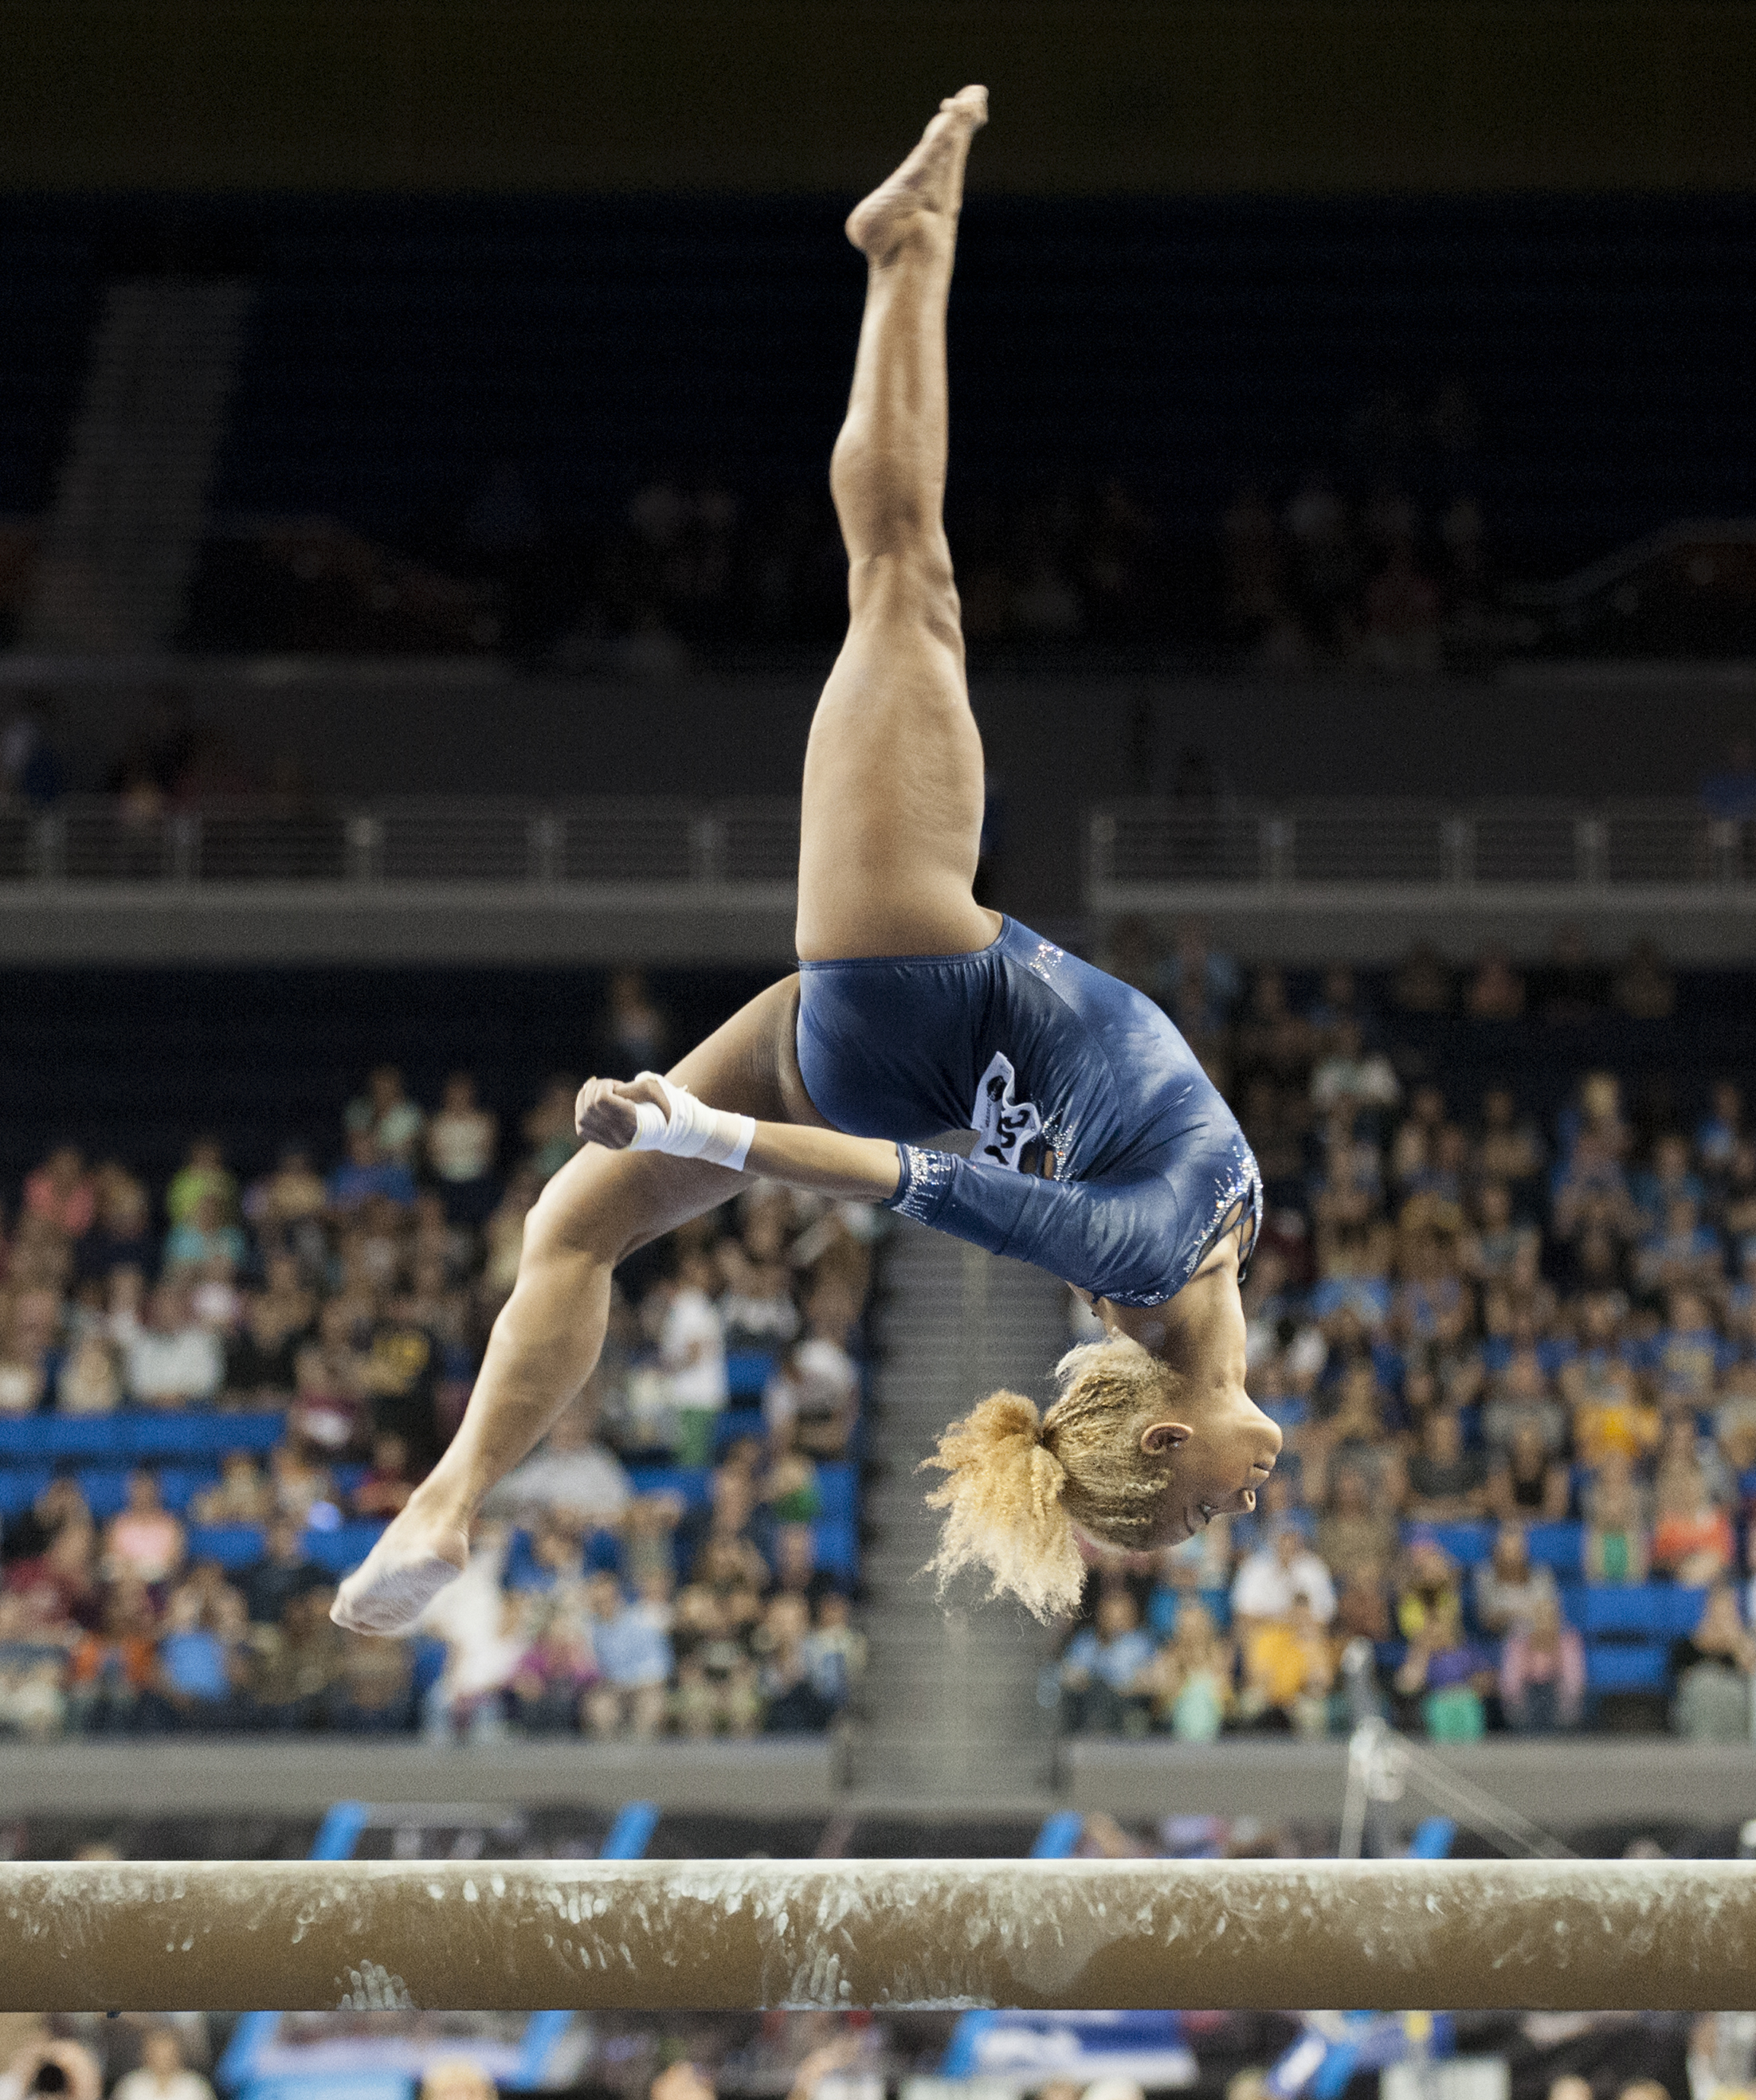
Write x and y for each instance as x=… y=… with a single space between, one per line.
x=1104 y=1153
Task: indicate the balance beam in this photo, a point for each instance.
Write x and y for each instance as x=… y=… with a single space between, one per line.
x=297 y=1935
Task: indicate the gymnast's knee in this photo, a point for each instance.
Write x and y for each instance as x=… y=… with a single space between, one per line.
x=912 y=590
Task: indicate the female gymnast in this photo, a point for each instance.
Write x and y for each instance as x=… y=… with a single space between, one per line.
x=1103 y=1153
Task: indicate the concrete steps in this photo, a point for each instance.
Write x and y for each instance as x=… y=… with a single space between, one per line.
x=949 y=1696
x=125 y=527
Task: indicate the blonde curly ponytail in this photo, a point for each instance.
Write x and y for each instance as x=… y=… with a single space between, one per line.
x=1018 y=1482
x=1006 y=1509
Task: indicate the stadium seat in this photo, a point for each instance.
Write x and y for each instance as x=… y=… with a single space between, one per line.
x=733 y=1423
x=1558 y=1546
x=1627 y=1666
x=105 y=1489
x=1650 y=1610
x=692 y=1485
x=339 y=1552
x=747 y=1372
x=19 y=1487
x=233 y=1545
x=1468 y=1544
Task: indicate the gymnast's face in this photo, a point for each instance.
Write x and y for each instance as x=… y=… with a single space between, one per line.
x=1220 y=1448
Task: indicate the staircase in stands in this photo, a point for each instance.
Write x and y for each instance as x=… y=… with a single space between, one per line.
x=951 y=1692
x=125 y=525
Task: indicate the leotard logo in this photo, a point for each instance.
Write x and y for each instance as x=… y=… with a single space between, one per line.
x=1003 y=1126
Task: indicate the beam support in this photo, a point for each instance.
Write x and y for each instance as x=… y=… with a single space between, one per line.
x=309 y=1935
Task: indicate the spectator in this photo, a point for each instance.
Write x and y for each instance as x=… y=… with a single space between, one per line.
x=1271 y=1577
x=1692 y=1539
x=549 y=1131
x=1617 y=1549
x=635 y=1033
x=1106 y=1674
x=26 y=1356
x=122 y=1236
x=1509 y=1588
x=144 y=1540
x=383 y=1113
x=1525 y=1484
x=549 y=1685
x=90 y=1380
x=634 y=1660
x=503 y=1237
x=812 y=1400
x=204 y=1173
x=1353 y=1077
x=1288 y=1670
x=240 y=1497
x=1357 y=1533
x=1444 y=1676
x=834 y=1652
x=368 y=1171
x=793 y=1705
x=1542 y=1671
x=283 y=1573
x=294 y=1662
x=1496 y=992
x=201 y=1232
x=1712 y=1670
x=692 y=1355
x=461 y=1141
x=61 y=1194
x=1193 y=1692
x=173 y=1361
x=386 y=1486
x=162 y=2075
x=1446 y=1482
x=1644 y=989
x=372 y=1690
x=292 y=1195
x=201 y=1671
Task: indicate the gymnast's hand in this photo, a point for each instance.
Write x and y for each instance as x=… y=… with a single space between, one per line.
x=604 y=1112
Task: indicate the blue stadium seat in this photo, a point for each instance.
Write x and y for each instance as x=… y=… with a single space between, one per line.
x=196 y=1434
x=340 y=1552
x=838 y=1488
x=747 y=1372
x=1468 y=1544
x=734 y=1422
x=19 y=1487
x=692 y=1484
x=177 y=1484
x=51 y=1436
x=837 y=1543
x=1558 y=1546
x=1650 y=1610
x=139 y=1433
x=1627 y=1666
x=105 y=1489
x=233 y=1545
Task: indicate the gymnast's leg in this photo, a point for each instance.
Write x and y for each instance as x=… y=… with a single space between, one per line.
x=893 y=796
x=546 y=1341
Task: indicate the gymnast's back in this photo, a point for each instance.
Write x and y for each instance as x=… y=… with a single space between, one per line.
x=1104 y=1153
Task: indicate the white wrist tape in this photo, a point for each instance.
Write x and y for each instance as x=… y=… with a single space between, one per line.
x=691 y=1129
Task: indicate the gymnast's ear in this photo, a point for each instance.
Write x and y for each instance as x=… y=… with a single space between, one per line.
x=1158 y=1440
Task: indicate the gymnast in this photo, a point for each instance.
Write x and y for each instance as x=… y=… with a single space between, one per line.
x=1103 y=1153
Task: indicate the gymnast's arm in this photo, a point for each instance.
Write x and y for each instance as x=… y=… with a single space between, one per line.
x=856 y=1169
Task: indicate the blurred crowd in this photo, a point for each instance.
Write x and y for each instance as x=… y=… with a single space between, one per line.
x=1514 y=1361
x=677 y=1555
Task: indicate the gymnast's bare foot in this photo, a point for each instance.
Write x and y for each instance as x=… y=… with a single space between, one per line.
x=931 y=179
x=403 y=1572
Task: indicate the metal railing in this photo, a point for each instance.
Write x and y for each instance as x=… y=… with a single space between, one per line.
x=1136 y=848
x=644 y=842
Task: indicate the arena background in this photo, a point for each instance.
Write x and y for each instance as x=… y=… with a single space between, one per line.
x=416 y=576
